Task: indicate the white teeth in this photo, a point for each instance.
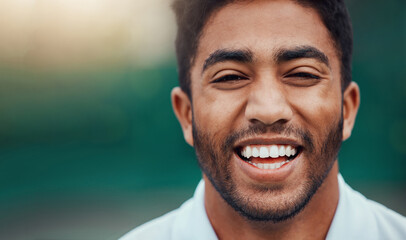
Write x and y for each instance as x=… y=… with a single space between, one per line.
x=293 y=152
x=269 y=165
x=248 y=152
x=273 y=151
x=263 y=152
x=282 y=151
x=255 y=152
x=243 y=153
x=288 y=150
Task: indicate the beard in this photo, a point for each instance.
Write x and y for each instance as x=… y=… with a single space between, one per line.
x=267 y=202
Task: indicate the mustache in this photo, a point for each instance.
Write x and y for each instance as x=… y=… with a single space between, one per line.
x=277 y=128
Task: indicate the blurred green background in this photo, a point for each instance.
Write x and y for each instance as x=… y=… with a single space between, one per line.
x=90 y=147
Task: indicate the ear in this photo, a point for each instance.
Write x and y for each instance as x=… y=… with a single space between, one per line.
x=351 y=101
x=183 y=110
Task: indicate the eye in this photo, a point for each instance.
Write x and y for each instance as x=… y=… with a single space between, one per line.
x=303 y=75
x=302 y=79
x=229 y=78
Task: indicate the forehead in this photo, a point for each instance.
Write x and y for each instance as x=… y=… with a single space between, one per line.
x=264 y=27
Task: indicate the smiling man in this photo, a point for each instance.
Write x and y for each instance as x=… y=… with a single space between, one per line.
x=266 y=99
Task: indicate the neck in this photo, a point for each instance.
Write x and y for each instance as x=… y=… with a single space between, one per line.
x=313 y=222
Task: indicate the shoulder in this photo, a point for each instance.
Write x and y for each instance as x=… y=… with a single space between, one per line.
x=358 y=217
x=387 y=223
x=156 y=229
x=189 y=221
x=160 y=228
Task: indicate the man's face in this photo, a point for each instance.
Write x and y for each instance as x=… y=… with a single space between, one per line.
x=267 y=106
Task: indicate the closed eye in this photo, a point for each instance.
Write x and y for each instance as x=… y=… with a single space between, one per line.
x=229 y=78
x=303 y=75
x=302 y=79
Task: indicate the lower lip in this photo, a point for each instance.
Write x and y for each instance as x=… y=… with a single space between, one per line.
x=267 y=175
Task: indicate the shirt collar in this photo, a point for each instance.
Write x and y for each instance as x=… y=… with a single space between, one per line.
x=202 y=228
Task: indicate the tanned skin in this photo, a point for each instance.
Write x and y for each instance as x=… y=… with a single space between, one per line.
x=263 y=90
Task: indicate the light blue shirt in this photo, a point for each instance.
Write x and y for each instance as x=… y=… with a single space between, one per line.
x=355 y=218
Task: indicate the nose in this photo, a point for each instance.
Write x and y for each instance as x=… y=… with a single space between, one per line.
x=268 y=103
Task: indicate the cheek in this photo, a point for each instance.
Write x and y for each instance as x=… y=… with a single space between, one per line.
x=317 y=108
x=218 y=112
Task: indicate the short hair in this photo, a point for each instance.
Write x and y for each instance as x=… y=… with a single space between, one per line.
x=192 y=15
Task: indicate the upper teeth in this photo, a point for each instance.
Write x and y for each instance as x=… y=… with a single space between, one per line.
x=273 y=151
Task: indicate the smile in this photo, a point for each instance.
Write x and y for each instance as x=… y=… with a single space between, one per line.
x=268 y=156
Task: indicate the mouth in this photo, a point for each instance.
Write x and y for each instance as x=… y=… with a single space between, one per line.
x=268 y=157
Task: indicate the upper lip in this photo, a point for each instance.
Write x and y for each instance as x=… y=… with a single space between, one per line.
x=267 y=141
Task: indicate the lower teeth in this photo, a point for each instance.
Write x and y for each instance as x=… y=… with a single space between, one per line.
x=269 y=165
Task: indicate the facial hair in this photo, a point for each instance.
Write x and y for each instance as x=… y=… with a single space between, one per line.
x=214 y=156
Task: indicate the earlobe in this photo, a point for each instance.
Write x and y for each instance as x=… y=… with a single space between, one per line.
x=182 y=108
x=351 y=102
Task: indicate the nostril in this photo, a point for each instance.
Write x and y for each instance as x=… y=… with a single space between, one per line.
x=263 y=111
x=255 y=121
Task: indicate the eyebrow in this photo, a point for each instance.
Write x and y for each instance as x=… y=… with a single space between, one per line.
x=284 y=55
x=223 y=55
